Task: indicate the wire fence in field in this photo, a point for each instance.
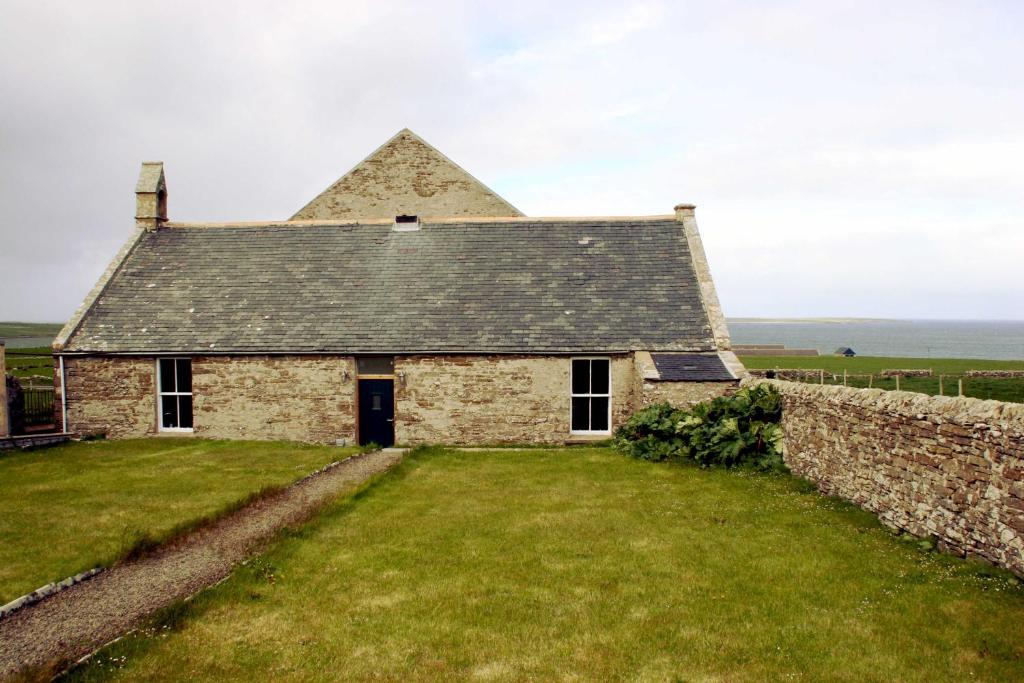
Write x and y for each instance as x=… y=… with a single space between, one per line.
x=1000 y=385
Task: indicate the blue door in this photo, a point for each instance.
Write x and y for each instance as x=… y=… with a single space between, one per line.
x=377 y=412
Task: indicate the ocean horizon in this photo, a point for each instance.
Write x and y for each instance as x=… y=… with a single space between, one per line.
x=980 y=339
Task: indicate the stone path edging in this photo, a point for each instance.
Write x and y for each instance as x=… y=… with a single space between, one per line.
x=61 y=628
x=46 y=591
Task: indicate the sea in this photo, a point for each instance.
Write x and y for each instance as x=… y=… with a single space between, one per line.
x=987 y=339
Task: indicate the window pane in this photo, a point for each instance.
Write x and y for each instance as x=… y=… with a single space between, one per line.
x=169 y=411
x=375 y=365
x=599 y=376
x=185 y=412
x=580 y=414
x=166 y=374
x=184 y=375
x=581 y=377
x=599 y=414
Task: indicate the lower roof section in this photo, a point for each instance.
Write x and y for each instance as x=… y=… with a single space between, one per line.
x=544 y=286
x=691 y=367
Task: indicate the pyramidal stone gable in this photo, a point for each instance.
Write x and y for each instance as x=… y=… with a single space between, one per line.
x=406 y=175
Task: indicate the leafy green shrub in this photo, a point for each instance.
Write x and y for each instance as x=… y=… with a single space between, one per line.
x=741 y=429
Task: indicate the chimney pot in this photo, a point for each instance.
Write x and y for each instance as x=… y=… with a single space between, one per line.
x=151 y=196
x=684 y=211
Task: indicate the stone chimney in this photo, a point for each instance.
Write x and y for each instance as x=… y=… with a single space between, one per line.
x=684 y=211
x=151 y=196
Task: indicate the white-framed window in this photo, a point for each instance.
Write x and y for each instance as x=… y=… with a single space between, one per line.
x=174 y=399
x=591 y=386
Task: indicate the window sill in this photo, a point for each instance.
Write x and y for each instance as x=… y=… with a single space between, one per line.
x=174 y=431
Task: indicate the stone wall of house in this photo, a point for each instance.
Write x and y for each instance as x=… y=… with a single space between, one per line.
x=293 y=398
x=111 y=396
x=950 y=468
x=682 y=394
x=439 y=399
x=494 y=399
x=405 y=176
x=298 y=398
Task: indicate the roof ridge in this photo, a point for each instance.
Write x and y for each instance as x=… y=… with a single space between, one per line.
x=426 y=220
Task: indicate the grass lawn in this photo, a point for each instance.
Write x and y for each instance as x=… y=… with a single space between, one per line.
x=581 y=564
x=70 y=508
x=977 y=387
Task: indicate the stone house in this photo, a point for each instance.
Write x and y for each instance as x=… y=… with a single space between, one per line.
x=407 y=303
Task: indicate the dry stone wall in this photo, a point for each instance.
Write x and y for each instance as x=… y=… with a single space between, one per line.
x=951 y=468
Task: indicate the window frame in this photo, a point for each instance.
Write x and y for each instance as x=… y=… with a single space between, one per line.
x=160 y=393
x=590 y=395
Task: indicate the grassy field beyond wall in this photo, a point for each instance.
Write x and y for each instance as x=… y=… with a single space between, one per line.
x=999 y=389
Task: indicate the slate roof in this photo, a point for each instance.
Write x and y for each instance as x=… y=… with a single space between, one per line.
x=486 y=286
x=691 y=367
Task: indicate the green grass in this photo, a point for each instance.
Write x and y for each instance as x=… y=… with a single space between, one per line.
x=15 y=329
x=1009 y=389
x=30 y=362
x=70 y=508
x=585 y=565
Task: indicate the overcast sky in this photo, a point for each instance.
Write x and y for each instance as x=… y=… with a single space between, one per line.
x=846 y=158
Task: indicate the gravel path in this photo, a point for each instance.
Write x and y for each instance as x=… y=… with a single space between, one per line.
x=71 y=624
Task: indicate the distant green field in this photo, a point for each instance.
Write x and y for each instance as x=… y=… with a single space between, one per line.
x=12 y=329
x=19 y=335
x=953 y=368
x=31 y=362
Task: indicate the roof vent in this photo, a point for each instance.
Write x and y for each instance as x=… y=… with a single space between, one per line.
x=405 y=223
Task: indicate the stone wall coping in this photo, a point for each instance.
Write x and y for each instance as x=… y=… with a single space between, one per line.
x=921 y=406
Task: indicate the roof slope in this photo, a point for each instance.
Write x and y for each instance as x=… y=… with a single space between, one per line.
x=691 y=367
x=405 y=175
x=512 y=286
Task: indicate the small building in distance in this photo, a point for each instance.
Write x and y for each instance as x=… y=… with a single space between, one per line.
x=845 y=351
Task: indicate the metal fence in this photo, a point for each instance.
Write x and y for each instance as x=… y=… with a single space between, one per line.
x=37 y=406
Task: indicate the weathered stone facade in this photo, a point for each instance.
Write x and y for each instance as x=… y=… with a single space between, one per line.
x=951 y=468
x=292 y=398
x=682 y=394
x=296 y=398
x=111 y=396
x=494 y=399
x=405 y=176
x=451 y=399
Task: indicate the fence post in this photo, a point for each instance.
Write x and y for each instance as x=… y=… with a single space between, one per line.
x=5 y=421
x=844 y=377
x=871 y=380
x=940 y=385
x=897 y=382
x=821 y=377
x=960 y=386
